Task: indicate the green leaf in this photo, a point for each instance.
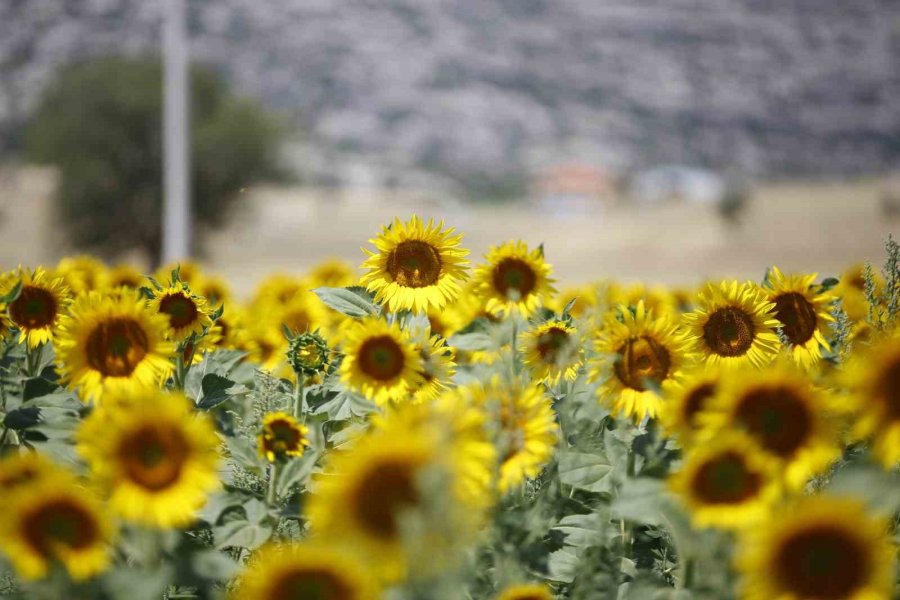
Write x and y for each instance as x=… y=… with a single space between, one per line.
x=22 y=418
x=215 y=390
x=880 y=489
x=12 y=294
x=295 y=472
x=562 y=565
x=473 y=341
x=585 y=471
x=38 y=386
x=256 y=511
x=212 y=564
x=138 y=584
x=352 y=301
x=245 y=453
x=583 y=531
x=343 y=405
x=641 y=501
x=241 y=534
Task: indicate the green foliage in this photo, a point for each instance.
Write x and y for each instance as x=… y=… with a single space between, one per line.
x=101 y=124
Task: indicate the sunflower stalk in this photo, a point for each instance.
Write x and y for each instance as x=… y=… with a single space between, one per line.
x=270 y=490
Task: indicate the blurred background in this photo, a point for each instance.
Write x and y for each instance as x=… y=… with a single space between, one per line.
x=656 y=140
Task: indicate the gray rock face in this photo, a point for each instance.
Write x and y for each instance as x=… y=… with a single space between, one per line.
x=772 y=87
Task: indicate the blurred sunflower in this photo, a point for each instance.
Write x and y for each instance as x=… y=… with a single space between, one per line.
x=874 y=378
x=278 y=288
x=734 y=325
x=187 y=313
x=125 y=275
x=817 y=547
x=851 y=289
x=438 y=366
x=784 y=413
x=526 y=429
x=309 y=570
x=17 y=471
x=386 y=497
x=282 y=436
x=332 y=273
x=639 y=356
x=416 y=266
x=380 y=361
x=728 y=483
x=155 y=455
x=41 y=303
x=83 y=273
x=301 y=313
x=532 y=591
x=514 y=279
x=552 y=351
x=112 y=341
x=189 y=272
x=53 y=519
x=803 y=314
x=685 y=399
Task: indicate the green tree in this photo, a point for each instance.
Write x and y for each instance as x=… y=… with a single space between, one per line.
x=100 y=123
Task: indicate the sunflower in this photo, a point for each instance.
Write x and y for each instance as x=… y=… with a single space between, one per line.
x=110 y=341
x=729 y=483
x=17 y=471
x=278 y=288
x=874 y=377
x=514 y=279
x=386 y=497
x=215 y=289
x=657 y=299
x=380 y=361
x=189 y=272
x=686 y=399
x=552 y=351
x=438 y=366
x=40 y=305
x=54 y=519
x=156 y=456
x=83 y=273
x=416 y=266
x=125 y=275
x=733 y=325
x=639 y=355
x=784 y=413
x=332 y=273
x=302 y=312
x=803 y=314
x=282 y=436
x=820 y=547
x=186 y=312
x=532 y=591
x=308 y=570
x=526 y=429
x=851 y=289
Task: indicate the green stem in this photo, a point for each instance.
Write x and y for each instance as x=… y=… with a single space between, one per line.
x=270 y=492
x=298 y=399
x=32 y=359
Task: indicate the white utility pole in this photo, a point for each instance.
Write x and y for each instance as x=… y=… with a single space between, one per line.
x=176 y=222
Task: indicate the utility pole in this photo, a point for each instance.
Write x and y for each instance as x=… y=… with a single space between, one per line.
x=176 y=218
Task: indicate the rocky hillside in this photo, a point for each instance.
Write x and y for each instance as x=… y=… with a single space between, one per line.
x=489 y=88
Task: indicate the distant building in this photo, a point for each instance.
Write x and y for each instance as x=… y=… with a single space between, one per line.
x=668 y=183
x=573 y=187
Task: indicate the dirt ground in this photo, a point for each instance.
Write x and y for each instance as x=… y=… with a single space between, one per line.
x=799 y=226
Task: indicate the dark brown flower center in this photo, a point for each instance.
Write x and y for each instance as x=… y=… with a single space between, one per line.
x=729 y=332
x=34 y=308
x=60 y=522
x=16 y=477
x=181 y=309
x=414 y=264
x=153 y=457
x=297 y=319
x=116 y=347
x=777 y=418
x=797 y=316
x=310 y=583
x=822 y=562
x=281 y=436
x=642 y=361
x=381 y=358
x=726 y=479
x=385 y=491
x=514 y=278
x=695 y=401
x=890 y=390
x=551 y=345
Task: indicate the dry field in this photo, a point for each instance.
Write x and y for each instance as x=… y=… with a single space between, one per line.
x=805 y=226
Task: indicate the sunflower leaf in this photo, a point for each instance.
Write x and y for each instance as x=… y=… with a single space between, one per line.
x=351 y=301
x=585 y=471
x=295 y=472
x=471 y=341
x=22 y=418
x=37 y=387
x=241 y=534
x=215 y=390
x=12 y=294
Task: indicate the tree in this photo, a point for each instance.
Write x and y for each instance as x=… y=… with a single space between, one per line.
x=101 y=124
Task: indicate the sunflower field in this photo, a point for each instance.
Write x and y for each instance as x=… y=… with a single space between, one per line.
x=422 y=428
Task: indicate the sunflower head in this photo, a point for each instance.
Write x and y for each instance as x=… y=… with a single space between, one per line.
x=112 y=341
x=415 y=266
x=532 y=591
x=39 y=306
x=380 y=361
x=552 y=351
x=874 y=377
x=186 y=312
x=332 y=273
x=308 y=353
x=784 y=413
x=306 y=570
x=733 y=325
x=728 y=483
x=54 y=519
x=83 y=273
x=514 y=279
x=686 y=399
x=127 y=276
x=639 y=355
x=803 y=314
x=438 y=365
x=156 y=456
x=820 y=547
x=282 y=436
x=18 y=471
